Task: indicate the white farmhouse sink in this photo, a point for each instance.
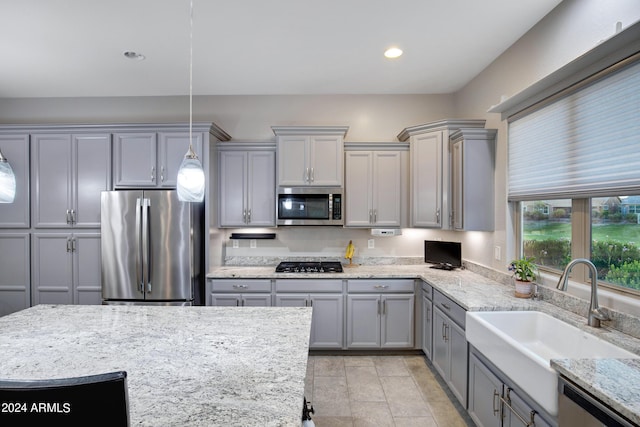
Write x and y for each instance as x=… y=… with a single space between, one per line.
x=522 y=343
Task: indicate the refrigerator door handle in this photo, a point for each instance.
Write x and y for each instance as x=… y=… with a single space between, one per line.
x=139 y=260
x=146 y=256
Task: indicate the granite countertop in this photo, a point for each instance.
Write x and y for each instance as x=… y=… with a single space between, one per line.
x=475 y=292
x=186 y=366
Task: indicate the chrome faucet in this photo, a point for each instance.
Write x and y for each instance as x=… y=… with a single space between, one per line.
x=595 y=312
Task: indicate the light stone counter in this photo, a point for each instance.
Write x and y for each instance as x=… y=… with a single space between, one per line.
x=186 y=366
x=475 y=292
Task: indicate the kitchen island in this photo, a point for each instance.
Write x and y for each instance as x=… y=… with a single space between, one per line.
x=186 y=366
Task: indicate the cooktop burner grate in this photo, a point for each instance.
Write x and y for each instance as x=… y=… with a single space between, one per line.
x=309 y=267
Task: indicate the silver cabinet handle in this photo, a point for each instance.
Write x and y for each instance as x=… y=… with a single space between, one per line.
x=496 y=402
x=438 y=216
x=240 y=286
x=312 y=175
x=68 y=217
x=379 y=307
x=162 y=174
x=153 y=173
x=244 y=216
x=248 y=216
x=375 y=216
x=381 y=286
x=370 y=216
x=384 y=307
x=306 y=175
x=446 y=306
x=68 y=244
x=73 y=244
x=73 y=217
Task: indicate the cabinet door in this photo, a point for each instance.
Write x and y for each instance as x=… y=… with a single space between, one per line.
x=172 y=147
x=256 y=300
x=224 y=300
x=261 y=189
x=458 y=362
x=426 y=180
x=51 y=163
x=397 y=321
x=233 y=175
x=358 y=187
x=293 y=160
x=15 y=280
x=135 y=160
x=15 y=148
x=92 y=167
x=327 y=323
x=87 y=265
x=326 y=160
x=485 y=390
x=440 y=344
x=52 y=268
x=386 y=188
x=427 y=326
x=521 y=414
x=363 y=321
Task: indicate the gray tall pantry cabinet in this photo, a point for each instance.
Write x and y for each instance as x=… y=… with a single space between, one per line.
x=50 y=235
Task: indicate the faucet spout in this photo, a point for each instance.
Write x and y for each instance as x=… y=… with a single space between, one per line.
x=595 y=314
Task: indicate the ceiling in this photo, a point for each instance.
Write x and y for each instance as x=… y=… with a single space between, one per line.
x=74 y=48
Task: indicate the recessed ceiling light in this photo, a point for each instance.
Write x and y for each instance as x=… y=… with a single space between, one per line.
x=392 y=52
x=133 y=55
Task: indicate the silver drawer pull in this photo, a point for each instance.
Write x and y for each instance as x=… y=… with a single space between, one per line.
x=446 y=306
x=381 y=286
x=240 y=286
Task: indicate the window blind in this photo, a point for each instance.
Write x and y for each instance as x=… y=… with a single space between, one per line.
x=584 y=144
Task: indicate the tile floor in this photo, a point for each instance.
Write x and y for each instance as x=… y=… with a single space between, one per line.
x=362 y=391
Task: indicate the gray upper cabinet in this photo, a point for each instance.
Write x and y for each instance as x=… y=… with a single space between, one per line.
x=373 y=188
x=310 y=155
x=15 y=148
x=247 y=188
x=69 y=173
x=150 y=159
x=429 y=170
x=472 y=179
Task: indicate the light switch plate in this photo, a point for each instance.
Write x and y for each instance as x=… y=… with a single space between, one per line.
x=236 y=244
x=371 y=244
x=253 y=243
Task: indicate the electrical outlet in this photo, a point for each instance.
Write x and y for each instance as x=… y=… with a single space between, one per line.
x=497 y=253
x=371 y=244
x=236 y=244
x=253 y=244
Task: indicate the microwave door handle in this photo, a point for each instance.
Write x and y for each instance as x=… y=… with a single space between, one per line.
x=139 y=280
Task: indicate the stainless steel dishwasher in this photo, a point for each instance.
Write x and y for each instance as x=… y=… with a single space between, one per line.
x=577 y=408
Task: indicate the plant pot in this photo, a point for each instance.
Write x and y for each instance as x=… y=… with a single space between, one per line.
x=523 y=289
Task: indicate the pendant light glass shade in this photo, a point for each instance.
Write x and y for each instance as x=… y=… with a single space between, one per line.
x=191 y=174
x=7 y=181
x=191 y=178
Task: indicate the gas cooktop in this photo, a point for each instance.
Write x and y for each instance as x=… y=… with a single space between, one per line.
x=309 y=267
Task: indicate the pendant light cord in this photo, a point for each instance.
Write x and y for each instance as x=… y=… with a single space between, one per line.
x=191 y=152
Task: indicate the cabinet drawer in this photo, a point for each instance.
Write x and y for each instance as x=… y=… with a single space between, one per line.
x=310 y=285
x=427 y=290
x=380 y=286
x=450 y=308
x=235 y=285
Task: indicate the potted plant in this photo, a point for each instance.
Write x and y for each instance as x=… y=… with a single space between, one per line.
x=524 y=271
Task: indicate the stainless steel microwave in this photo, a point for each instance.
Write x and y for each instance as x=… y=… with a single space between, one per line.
x=310 y=206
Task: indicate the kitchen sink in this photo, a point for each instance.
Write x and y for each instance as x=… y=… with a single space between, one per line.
x=522 y=343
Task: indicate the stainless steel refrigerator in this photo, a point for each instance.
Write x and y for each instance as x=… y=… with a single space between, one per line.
x=152 y=248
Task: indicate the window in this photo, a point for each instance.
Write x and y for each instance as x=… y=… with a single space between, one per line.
x=574 y=170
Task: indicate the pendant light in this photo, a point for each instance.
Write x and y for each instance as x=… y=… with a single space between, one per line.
x=7 y=181
x=191 y=175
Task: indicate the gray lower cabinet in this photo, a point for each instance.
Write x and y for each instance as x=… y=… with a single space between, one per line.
x=427 y=320
x=66 y=268
x=380 y=313
x=450 y=345
x=239 y=293
x=493 y=403
x=327 y=300
x=15 y=289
